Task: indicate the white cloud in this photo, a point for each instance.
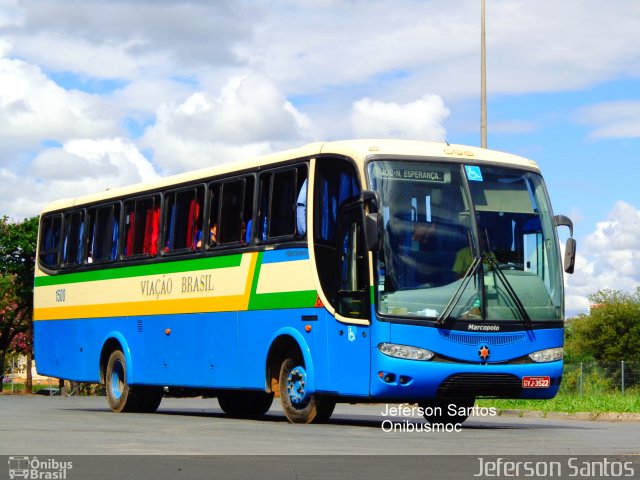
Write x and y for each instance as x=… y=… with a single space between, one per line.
x=552 y=45
x=249 y=117
x=34 y=109
x=419 y=120
x=79 y=167
x=128 y=39
x=620 y=119
x=609 y=257
x=111 y=162
x=313 y=47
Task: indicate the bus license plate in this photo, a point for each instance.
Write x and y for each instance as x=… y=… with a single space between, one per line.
x=536 y=382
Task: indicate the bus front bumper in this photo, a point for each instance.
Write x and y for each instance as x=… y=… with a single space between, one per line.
x=403 y=380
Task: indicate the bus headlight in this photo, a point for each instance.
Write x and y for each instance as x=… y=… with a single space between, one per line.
x=548 y=355
x=405 y=351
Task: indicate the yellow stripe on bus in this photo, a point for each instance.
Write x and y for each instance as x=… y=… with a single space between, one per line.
x=154 y=307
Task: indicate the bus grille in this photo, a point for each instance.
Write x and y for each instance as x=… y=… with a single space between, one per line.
x=480 y=385
x=494 y=339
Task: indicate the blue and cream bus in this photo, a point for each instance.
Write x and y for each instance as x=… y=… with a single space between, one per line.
x=350 y=271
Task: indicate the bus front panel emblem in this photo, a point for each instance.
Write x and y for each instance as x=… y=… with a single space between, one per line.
x=484 y=352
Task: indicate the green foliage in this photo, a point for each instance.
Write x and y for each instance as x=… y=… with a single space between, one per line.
x=17 y=257
x=595 y=380
x=611 y=331
x=17 y=263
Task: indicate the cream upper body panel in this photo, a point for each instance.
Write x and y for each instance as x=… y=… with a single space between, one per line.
x=358 y=150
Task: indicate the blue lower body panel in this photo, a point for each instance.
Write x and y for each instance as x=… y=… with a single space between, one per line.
x=229 y=350
x=223 y=350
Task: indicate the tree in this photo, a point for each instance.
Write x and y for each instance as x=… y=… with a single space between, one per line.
x=610 y=332
x=17 y=262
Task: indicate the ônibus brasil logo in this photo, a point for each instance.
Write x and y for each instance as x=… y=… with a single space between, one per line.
x=40 y=469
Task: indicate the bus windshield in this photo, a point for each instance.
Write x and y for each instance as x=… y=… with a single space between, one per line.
x=468 y=242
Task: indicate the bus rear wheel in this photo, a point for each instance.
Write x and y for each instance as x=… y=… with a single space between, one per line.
x=123 y=397
x=300 y=405
x=447 y=412
x=245 y=404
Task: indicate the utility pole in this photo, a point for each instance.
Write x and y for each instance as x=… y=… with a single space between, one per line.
x=483 y=79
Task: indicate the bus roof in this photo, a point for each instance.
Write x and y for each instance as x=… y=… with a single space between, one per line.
x=358 y=150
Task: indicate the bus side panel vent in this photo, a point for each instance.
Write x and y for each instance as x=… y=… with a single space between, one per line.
x=140 y=326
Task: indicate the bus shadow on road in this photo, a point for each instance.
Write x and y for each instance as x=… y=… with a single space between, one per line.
x=369 y=421
x=354 y=420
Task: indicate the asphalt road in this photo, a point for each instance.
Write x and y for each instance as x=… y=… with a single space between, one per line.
x=85 y=426
x=358 y=442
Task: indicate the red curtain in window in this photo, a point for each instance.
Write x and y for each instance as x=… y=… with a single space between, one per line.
x=129 y=245
x=155 y=227
x=150 y=243
x=194 y=212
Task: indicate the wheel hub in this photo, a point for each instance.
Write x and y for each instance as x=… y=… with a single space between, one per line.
x=296 y=386
x=117 y=380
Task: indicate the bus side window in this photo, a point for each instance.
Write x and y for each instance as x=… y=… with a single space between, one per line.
x=73 y=232
x=194 y=221
x=237 y=211
x=142 y=218
x=231 y=214
x=352 y=265
x=283 y=197
x=264 y=206
x=301 y=203
x=282 y=220
x=50 y=236
x=214 y=214
x=102 y=233
x=336 y=181
x=247 y=232
x=183 y=219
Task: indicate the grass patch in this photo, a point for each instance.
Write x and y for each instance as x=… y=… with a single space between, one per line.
x=629 y=402
x=20 y=387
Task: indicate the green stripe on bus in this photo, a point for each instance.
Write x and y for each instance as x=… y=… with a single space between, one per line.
x=267 y=301
x=270 y=301
x=256 y=277
x=225 y=261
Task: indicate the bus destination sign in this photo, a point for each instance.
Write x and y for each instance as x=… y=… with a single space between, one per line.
x=413 y=174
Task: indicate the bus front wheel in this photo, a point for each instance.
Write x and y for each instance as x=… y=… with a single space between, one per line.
x=123 y=397
x=298 y=403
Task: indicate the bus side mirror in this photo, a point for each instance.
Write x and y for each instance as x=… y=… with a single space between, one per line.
x=373 y=221
x=373 y=231
x=570 y=255
x=371 y=200
x=570 y=248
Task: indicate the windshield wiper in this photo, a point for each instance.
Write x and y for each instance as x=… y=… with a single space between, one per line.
x=446 y=313
x=526 y=319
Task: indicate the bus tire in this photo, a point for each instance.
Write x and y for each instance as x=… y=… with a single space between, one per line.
x=149 y=398
x=245 y=404
x=123 y=397
x=447 y=411
x=298 y=404
x=119 y=392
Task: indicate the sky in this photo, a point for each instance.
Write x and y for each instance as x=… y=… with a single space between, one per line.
x=96 y=94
